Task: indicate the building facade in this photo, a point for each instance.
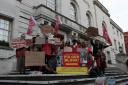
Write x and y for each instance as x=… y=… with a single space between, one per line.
x=76 y=16
x=126 y=41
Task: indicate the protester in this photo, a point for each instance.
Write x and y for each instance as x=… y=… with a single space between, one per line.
x=59 y=55
x=20 y=55
x=67 y=47
x=99 y=56
x=75 y=45
x=92 y=66
x=83 y=53
x=90 y=54
x=103 y=62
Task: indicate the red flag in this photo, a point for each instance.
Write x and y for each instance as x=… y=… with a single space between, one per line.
x=32 y=23
x=105 y=34
x=57 y=24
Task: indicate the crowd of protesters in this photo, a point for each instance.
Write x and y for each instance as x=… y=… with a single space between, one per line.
x=91 y=54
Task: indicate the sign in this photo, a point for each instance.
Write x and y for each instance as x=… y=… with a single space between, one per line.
x=72 y=70
x=71 y=59
x=18 y=43
x=34 y=58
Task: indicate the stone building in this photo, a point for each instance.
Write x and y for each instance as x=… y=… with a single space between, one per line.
x=76 y=16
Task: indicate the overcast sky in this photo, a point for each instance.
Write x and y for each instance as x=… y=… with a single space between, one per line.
x=118 y=10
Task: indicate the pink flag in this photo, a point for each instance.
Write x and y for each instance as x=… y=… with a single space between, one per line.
x=105 y=34
x=32 y=23
x=57 y=24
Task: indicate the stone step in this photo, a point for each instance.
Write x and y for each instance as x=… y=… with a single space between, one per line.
x=119 y=76
x=121 y=80
x=72 y=81
x=55 y=82
x=43 y=77
x=113 y=74
x=113 y=68
x=57 y=79
x=124 y=83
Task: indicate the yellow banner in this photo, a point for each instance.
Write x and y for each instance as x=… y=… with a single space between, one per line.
x=72 y=70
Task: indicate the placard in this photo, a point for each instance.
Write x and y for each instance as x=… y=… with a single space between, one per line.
x=34 y=58
x=18 y=43
x=71 y=59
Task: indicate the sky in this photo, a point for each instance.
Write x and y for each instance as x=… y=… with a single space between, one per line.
x=118 y=10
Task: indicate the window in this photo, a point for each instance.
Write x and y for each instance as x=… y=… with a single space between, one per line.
x=119 y=44
x=4 y=29
x=121 y=35
x=113 y=29
x=73 y=11
x=117 y=33
x=88 y=20
x=122 y=48
x=51 y=4
x=115 y=44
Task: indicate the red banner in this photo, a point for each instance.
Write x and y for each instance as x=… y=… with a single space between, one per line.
x=71 y=59
x=18 y=43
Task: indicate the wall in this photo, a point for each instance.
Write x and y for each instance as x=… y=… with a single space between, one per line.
x=118 y=37
x=101 y=16
x=83 y=5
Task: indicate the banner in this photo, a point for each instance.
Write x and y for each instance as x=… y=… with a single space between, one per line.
x=71 y=59
x=32 y=23
x=105 y=33
x=72 y=70
x=57 y=24
x=18 y=43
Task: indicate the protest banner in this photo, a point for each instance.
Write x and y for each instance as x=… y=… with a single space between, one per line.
x=71 y=59
x=18 y=43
